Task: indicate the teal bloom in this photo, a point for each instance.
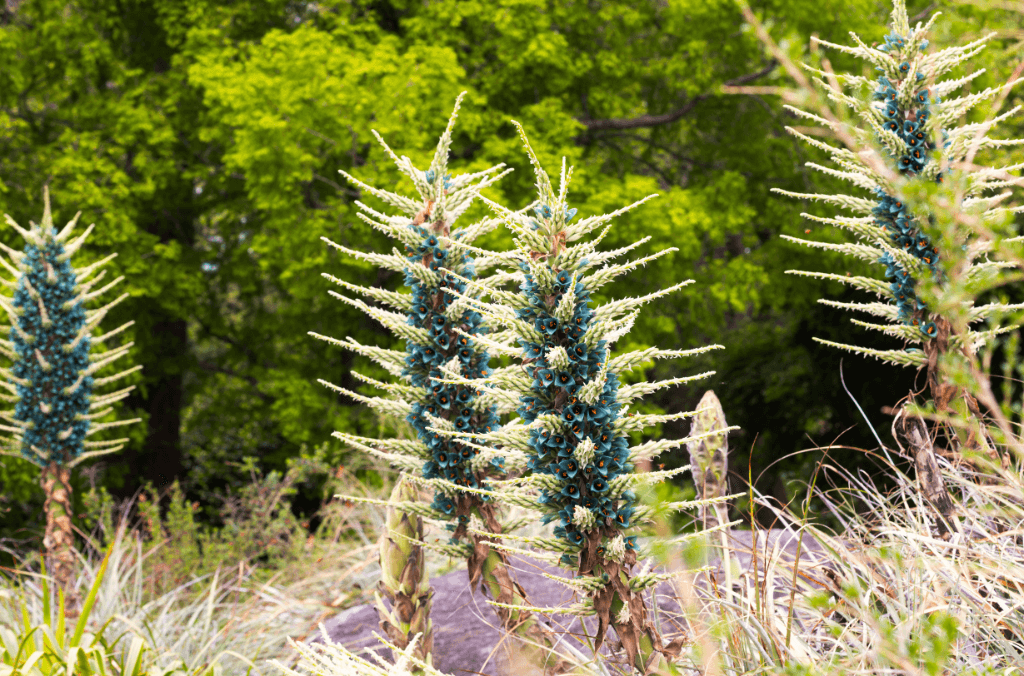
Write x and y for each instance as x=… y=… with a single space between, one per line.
x=891 y=214
x=51 y=380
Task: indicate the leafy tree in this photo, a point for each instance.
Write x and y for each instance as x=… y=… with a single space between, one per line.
x=206 y=138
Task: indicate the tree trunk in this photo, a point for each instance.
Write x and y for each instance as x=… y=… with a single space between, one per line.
x=59 y=539
x=163 y=340
x=163 y=441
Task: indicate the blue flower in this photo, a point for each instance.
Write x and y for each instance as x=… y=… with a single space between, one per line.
x=624 y=515
x=443 y=504
x=570 y=467
x=557 y=441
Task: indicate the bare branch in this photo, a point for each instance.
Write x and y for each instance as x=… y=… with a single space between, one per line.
x=669 y=118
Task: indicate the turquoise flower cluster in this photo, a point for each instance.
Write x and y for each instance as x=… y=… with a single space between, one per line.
x=53 y=386
x=454 y=403
x=891 y=214
x=585 y=453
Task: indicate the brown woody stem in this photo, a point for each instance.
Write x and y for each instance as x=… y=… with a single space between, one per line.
x=956 y=400
x=491 y=567
x=618 y=606
x=59 y=539
x=915 y=432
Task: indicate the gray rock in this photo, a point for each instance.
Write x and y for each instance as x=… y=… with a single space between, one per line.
x=467 y=634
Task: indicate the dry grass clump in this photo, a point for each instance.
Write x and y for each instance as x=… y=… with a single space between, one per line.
x=886 y=596
x=170 y=595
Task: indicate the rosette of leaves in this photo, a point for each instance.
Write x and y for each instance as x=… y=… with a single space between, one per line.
x=573 y=420
x=439 y=329
x=908 y=111
x=51 y=381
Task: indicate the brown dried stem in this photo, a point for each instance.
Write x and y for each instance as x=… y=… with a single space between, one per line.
x=59 y=540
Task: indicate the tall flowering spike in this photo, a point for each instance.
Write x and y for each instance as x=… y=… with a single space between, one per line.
x=54 y=359
x=907 y=115
x=427 y=320
x=905 y=112
x=444 y=335
x=573 y=422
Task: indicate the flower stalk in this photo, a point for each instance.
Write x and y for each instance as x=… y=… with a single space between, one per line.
x=443 y=334
x=901 y=147
x=709 y=457
x=51 y=378
x=573 y=422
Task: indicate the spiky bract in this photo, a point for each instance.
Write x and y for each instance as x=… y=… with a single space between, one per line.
x=51 y=380
x=908 y=117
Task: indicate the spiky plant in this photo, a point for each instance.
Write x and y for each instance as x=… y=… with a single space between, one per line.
x=51 y=379
x=904 y=112
x=437 y=329
x=573 y=426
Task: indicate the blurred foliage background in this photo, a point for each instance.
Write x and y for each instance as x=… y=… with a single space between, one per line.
x=204 y=138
